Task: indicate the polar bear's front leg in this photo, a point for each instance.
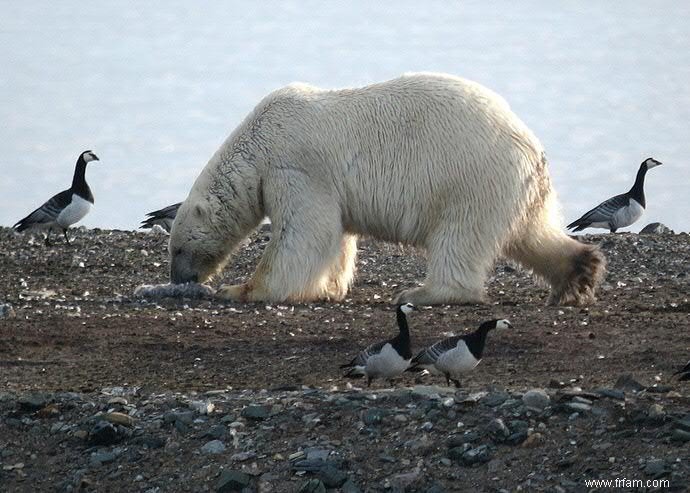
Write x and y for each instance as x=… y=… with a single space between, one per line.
x=303 y=260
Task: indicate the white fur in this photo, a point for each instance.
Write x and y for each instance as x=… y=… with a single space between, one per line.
x=74 y=212
x=420 y=159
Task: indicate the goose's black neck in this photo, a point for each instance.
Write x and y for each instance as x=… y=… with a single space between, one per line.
x=637 y=190
x=476 y=340
x=401 y=342
x=79 y=185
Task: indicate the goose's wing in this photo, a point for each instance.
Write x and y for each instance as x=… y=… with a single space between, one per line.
x=47 y=213
x=163 y=217
x=169 y=212
x=603 y=212
x=430 y=355
x=363 y=356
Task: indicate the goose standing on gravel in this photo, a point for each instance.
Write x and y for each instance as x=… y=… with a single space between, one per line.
x=67 y=207
x=619 y=211
x=162 y=217
x=456 y=355
x=386 y=359
x=684 y=372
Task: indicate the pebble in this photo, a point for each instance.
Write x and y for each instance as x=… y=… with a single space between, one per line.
x=373 y=416
x=231 y=480
x=655 y=468
x=33 y=402
x=213 y=447
x=627 y=382
x=656 y=414
x=104 y=457
x=104 y=433
x=498 y=430
x=332 y=477
x=6 y=311
x=256 y=412
x=578 y=406
x=679 y=435
x=612 y=393
x=477 y=455
x=536 y=399
x=120 y=419
x=313 y=486
x=349 y=486
x=494 y=399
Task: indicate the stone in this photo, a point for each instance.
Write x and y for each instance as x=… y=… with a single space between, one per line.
x=242 y=456
x=332 y=477
x=150 y=442
x=6 y=311
x=533 y=440
x=120 y=419
x=655 y=468
x=202 y=407
x=494 y=399
x=216 y=432
x=536 y=400
x=498 y=430
x=683 y=423
x=627 y=382
x=656 y=415
x=578 y=406
x=461 y=439
x=477 y=455
x=104 y=433
x=349 y=486
x=656 y=229
x=612 y=393
x=681 y=436
x=231 y=480
x=102 y=457
x=33 y=402
x=373 y=416
x=213 y=447
x=256 y=412
x=313 y=486
x=517 y=437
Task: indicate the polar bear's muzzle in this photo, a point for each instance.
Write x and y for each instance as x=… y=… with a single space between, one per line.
x=181 y=271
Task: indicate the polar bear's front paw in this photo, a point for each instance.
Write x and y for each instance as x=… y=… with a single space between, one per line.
x=233 y=292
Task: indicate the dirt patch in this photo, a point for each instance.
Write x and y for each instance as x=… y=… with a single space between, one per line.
x=77 y=328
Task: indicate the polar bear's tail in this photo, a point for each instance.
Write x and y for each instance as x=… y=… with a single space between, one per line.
x=572 y=269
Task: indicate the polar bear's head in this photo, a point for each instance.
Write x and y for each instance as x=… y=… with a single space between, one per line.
x=197 y=249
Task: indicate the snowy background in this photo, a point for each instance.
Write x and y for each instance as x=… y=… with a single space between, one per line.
x=155 y=87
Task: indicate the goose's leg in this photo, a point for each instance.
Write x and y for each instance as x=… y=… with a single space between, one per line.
x=456 y=382
x=64 y=232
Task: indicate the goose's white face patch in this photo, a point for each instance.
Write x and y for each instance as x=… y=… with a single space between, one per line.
x=74 y=212
x=90 y=156
x=651 y=163
x=407 y=308
x=503 y=324
x=386 y=364
x=456 y=361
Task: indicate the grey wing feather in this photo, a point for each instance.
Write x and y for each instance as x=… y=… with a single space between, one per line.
x=47 y=213
x=430 y=355
x=605 y=211
x=362 y=357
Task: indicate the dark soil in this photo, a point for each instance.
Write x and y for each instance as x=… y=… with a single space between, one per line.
x=77 y=328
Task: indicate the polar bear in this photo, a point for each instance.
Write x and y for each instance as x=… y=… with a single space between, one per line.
x=430 y=160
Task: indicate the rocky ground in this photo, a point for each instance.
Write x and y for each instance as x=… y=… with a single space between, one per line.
x=100 y=391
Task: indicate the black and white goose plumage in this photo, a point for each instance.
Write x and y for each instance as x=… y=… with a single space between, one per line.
x=454 y=356
x=163 y=217
x=619 y=211
x=385 y=359
x=684 y=372
x=67 y=207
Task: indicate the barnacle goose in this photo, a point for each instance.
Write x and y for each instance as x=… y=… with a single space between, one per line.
x=162 y=217
x=456 y=355
x=66 y=208
x=619 y=211
x=385 y=359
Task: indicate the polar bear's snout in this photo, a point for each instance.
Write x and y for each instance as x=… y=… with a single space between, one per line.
x=181 y=270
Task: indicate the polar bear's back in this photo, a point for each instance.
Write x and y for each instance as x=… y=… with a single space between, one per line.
x=404 y=154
